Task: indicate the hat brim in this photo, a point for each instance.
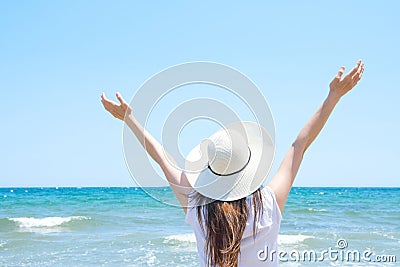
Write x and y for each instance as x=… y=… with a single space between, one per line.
x=241 y=184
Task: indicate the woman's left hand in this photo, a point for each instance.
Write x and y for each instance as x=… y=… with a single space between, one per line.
x=119 y=111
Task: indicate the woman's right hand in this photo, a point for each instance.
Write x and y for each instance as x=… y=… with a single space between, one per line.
x=340 y=86
x=119 y=111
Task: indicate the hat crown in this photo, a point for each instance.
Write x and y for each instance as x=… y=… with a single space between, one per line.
x=228 y=152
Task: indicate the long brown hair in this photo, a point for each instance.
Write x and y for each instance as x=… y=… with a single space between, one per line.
x=225 y=222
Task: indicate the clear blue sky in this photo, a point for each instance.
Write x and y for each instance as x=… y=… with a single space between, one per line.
x=56 y=57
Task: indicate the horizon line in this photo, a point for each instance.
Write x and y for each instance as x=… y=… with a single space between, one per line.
x=78 y=187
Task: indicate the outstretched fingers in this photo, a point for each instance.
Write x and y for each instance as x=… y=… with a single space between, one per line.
x=341 y=85
x=123 y=103
x=360 y=70
x=355 y=69
x=104 y=99
x=340 y=73
x=358 y=74
x=108 y=104
x=120 y=99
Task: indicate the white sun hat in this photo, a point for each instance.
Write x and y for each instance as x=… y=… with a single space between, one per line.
x=232 y=163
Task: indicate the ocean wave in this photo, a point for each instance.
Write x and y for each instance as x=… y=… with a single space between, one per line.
x=292 y=239
x=317 y=210
x=190 y=238
x=181 y=238
x=31 y=222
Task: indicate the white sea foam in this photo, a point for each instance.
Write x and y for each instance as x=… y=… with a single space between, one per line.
x=282 y=239
x=189 y=238
x=312 y=209
x=30 y=222
x=151 y=258
x=292 y=239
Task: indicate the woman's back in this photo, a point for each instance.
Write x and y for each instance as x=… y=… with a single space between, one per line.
x=252 y=251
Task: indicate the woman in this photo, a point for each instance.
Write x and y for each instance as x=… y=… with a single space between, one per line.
x=233 y=216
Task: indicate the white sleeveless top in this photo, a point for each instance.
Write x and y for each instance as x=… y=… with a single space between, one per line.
x=253 y=252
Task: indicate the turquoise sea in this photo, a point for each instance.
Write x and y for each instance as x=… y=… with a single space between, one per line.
x=127 y=227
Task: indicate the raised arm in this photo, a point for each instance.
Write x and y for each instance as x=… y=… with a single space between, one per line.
x=176 y=178
x=284 y=178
